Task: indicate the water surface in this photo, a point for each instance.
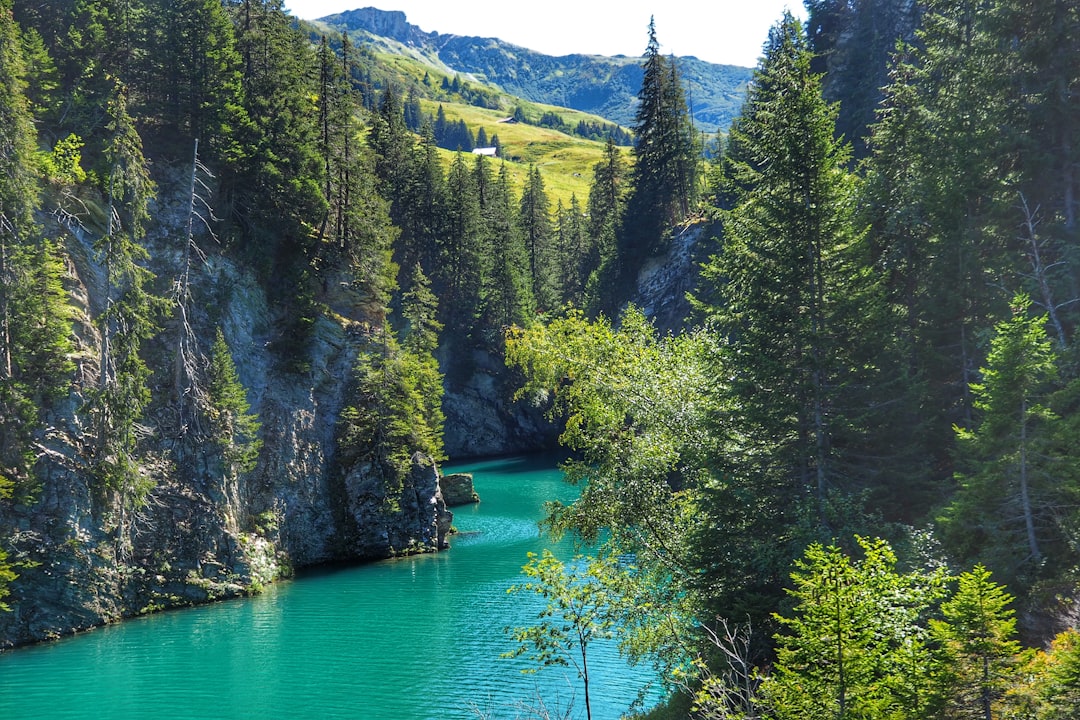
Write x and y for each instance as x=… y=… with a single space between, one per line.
x=408 y=639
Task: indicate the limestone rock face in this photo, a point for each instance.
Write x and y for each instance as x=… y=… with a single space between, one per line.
x=483 y=419
x=206 y=531
x=385 y=519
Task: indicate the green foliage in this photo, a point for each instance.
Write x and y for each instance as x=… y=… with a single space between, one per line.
x=856 y=645
x=579 y=611
x=7 y=576
x=395 y=411
x=233 y=427
x=130 y=314
x=64 y=164
x=977 y=636
x=35 y=317
x=1017 y=483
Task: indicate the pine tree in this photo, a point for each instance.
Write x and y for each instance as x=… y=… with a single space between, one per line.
x=35 y=318
x=509 y=296
x=233 y=428
x=130 y=316
x=570 y=252
x=606 y=202
x=794 y=297
x=194 y=72
x=463 y=267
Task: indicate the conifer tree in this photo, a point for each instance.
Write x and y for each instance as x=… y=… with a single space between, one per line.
x=606 y=202
x=509 y=298
x=534 y=218
x=233 y=427
x=855 y=646
x=663 y=187
x=570 y=252
x=978 y=645
x=129 y=317
x=1017 y=488
x=194 y=72
x=35 y=318
x=463 y=266
x=794 y=295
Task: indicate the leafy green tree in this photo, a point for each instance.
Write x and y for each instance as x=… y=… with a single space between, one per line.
x=578 y=613
x=977 y=637
x=1059 y=679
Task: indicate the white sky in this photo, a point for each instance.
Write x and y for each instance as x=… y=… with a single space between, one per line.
x=730 y=32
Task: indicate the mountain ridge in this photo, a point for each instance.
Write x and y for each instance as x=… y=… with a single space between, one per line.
x=602 y=85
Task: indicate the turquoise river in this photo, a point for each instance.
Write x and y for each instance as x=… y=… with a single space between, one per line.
x=411 y=639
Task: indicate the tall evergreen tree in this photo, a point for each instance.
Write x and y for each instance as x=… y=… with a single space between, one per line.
x=606 y=202
x=663 y=187
x=129 y=317
x=534 y=219
x=1013 y=506
x=463 y=267
x=35 y=319
x=977 y=633
x=795 y=299
x=194 y=72
x=509 y=297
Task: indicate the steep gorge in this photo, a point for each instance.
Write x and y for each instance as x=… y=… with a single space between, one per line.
x=206 y=533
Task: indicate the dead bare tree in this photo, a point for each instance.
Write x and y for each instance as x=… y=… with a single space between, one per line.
x=1041 y=268
x=189 y=360
x=731 y=692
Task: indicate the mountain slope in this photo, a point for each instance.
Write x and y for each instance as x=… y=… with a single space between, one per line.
x=604 y=86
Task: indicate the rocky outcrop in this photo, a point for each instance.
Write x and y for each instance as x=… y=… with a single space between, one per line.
x=457 y=489
x=85 y=557
x=482 y=417
x=384 y=518
x=665 y=280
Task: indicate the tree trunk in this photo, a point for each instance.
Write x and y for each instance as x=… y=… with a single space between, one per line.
x=1025 y=498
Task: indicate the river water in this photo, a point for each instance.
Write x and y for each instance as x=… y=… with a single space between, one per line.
x=411 y=639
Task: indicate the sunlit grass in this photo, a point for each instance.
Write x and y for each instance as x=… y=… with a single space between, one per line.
x=566 y=162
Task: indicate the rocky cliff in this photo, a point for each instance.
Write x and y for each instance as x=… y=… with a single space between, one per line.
x=206 y=531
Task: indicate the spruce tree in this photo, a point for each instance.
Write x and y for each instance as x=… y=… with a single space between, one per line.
x=509 y=297
x=663 y=187
x=233 y=428
x=977 y=636
x=35 y=318
x=1012 y=509
x=129 y=317
x=794 y=296
x=534 y=218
